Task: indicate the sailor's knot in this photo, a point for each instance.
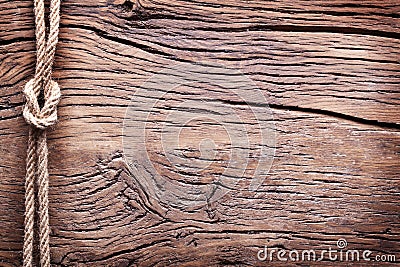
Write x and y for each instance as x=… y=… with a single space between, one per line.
x=47 y=115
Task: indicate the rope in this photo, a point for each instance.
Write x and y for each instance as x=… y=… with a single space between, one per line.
x=39 y=119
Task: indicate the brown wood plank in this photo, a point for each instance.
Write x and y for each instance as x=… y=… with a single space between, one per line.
x=328 y=69
x=295 y=67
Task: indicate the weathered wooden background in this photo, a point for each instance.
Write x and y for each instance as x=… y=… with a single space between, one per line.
x=329 y=70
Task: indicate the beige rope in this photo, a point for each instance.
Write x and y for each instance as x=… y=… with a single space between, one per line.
x=39 y=119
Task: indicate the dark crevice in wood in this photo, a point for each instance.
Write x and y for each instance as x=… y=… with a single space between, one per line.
x=310 y=29
x=143 y=15
x=338 y=115
x=5 y=42
x=390 y=125
x=107 y=36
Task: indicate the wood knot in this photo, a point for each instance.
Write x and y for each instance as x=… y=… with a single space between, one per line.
x=132 y=9
x=128 y=5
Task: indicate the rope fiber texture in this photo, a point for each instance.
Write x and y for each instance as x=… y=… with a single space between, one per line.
x=39 y=119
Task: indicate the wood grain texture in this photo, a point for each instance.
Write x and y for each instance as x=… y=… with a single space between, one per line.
x=329 y=71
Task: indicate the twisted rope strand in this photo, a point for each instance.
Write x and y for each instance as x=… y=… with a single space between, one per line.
x=39 y=119
x=29 y=198
x=43 y=188
x=40 y=33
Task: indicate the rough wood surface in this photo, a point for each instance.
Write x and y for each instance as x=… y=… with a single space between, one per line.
x=329 y=71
